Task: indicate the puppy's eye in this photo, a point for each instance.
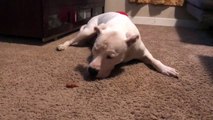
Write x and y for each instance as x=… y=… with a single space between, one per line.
x=109 y=57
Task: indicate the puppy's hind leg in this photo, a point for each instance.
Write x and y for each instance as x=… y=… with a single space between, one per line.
x=160 y=67
x=84 y=33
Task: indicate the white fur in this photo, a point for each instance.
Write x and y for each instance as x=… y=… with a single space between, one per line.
x=118 y=40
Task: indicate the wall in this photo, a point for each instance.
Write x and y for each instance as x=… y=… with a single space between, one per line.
x=147 y=10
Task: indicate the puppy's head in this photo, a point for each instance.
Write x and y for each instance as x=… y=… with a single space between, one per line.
x=108 y=50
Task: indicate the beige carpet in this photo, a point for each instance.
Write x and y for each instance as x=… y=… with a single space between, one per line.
x=33 y=79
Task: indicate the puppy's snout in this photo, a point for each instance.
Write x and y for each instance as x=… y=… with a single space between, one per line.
x=92 y=71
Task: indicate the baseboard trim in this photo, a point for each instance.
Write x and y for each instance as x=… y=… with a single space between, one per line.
x=165 y=22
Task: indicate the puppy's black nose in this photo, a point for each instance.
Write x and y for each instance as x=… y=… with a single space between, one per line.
x=93 y=72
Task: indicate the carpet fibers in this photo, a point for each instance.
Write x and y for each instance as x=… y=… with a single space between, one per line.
x=39 y=83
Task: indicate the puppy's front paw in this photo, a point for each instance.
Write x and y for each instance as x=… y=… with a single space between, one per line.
x=61 y=47
x=169 y=71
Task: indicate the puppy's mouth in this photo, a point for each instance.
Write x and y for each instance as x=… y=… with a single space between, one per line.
x=92 y=71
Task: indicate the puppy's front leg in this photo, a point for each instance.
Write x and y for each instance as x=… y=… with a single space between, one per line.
x=83 y=34
x=164 y=69
x=65 y=45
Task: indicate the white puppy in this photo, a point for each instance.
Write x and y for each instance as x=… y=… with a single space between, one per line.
x=118 y=40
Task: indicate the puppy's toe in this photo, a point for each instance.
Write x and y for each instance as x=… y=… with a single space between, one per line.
x=61 y=47
x=173 y=73
x=170 y=72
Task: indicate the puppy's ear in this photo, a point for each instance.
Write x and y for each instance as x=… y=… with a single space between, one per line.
x=131 y=39
x=99 y=28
